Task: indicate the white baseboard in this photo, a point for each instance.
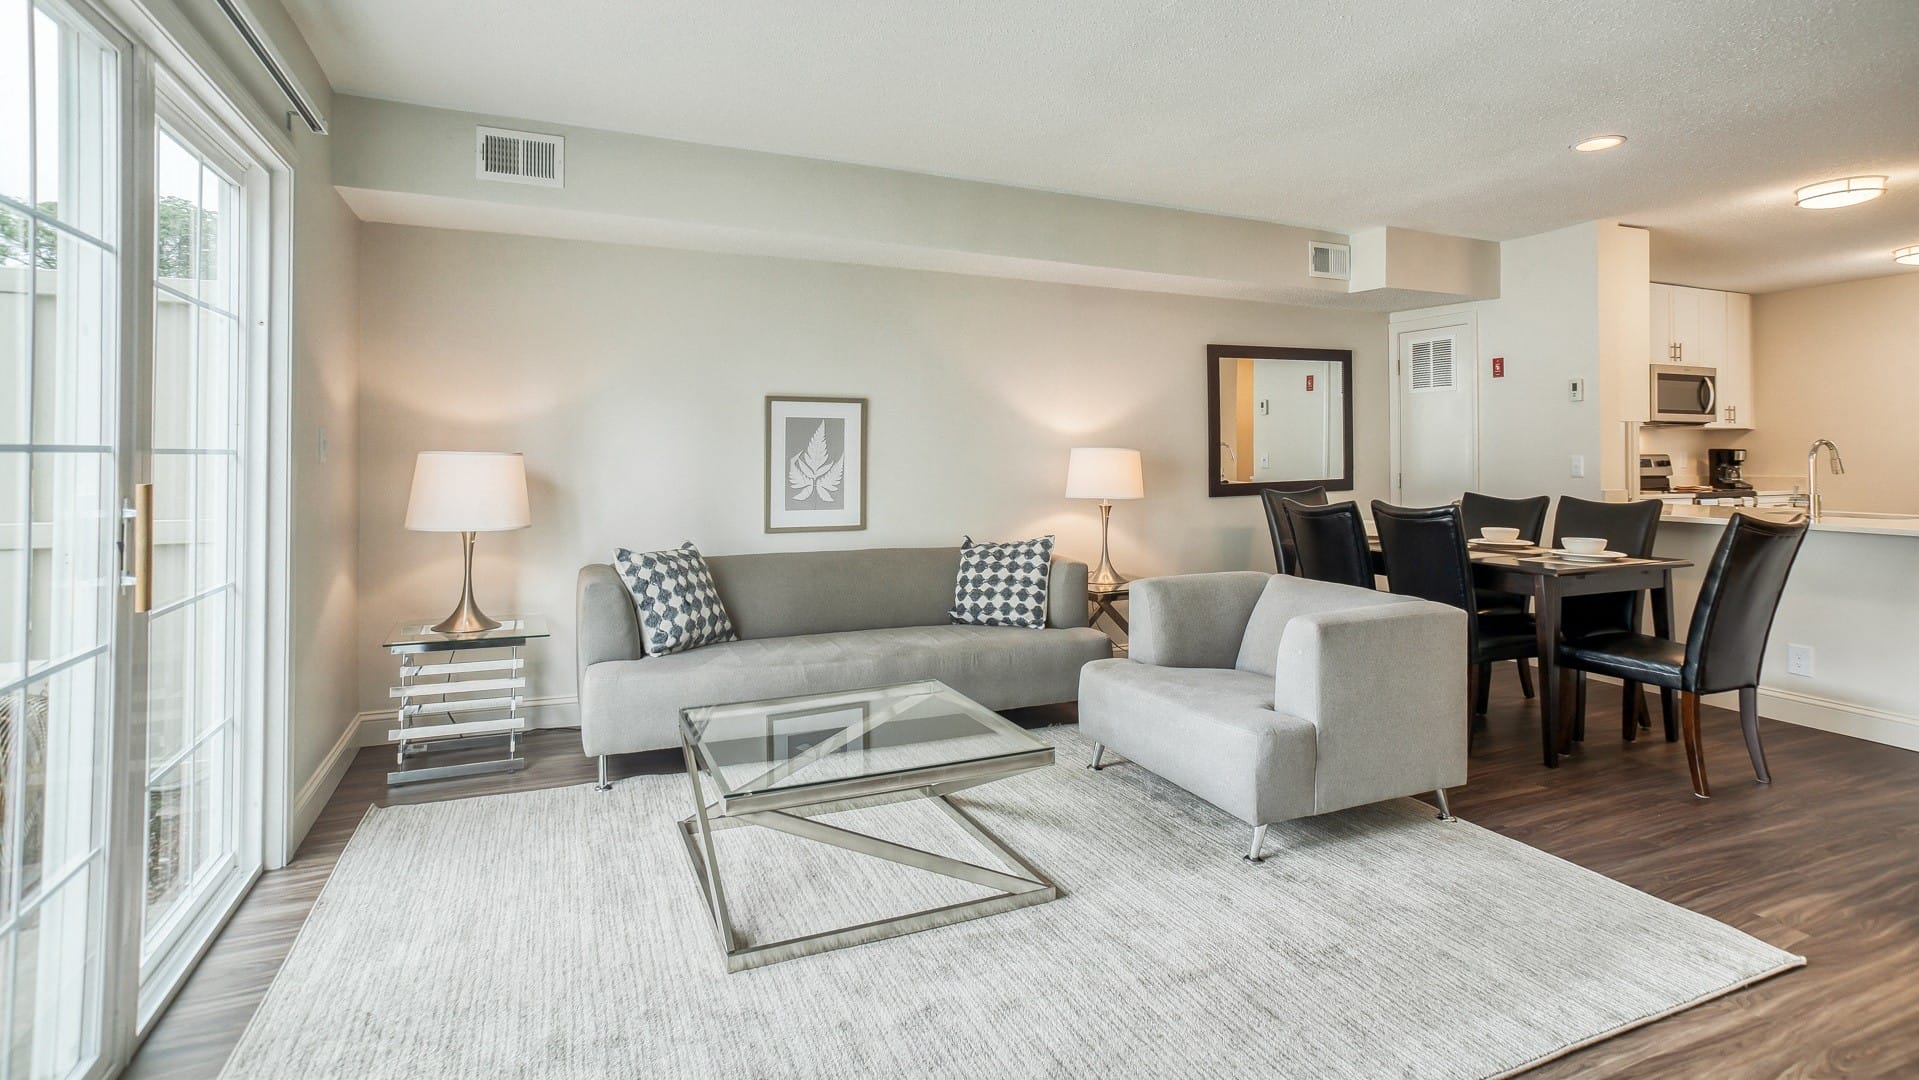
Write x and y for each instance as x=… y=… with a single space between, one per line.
x=1825 y=714
x=559 y=711
x=320 y=786
x=1842 y=717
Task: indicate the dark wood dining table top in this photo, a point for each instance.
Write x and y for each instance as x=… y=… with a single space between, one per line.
x=1540 y=561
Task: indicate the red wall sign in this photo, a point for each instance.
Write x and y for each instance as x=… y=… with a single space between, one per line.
x=1309 y=382
x=1499 y=367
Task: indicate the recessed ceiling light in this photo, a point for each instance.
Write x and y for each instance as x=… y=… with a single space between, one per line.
x=1846 y=192
x=1599 y=142
x=1907 y=255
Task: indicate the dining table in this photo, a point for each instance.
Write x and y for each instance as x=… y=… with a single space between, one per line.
x=1549 y=577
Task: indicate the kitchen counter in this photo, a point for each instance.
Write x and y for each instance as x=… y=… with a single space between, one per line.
x=1852 y=601
x=1834 y=520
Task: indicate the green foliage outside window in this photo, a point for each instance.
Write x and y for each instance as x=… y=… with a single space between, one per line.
x=174 y=248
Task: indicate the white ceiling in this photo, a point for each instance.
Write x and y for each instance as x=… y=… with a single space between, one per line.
x=1452 y=117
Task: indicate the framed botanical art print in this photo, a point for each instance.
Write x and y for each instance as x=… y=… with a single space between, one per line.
x=815 y=464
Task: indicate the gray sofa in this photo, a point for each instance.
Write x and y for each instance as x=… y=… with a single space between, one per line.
x=1276 y=698
x=816 y=622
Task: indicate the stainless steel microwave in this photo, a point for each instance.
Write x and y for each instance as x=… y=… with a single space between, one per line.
x=1684 y=394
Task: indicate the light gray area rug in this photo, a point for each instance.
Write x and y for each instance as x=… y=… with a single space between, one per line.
x=560 y=933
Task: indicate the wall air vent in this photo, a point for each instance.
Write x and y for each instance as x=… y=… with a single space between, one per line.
x=1329 y=260
x=520 y=157
x=1432 y=365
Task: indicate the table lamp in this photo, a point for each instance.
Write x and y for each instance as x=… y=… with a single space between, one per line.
x=467 y=493
x=1104 y=473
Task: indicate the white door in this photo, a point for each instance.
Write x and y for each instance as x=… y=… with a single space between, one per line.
x=60 y=474
x=199 y=761
x=1438 y=422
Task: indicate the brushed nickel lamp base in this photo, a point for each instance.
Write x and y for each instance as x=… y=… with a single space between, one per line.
x=1104 y=576
x=467 y=618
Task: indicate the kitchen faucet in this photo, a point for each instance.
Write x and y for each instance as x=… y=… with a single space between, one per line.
x=1812 y=474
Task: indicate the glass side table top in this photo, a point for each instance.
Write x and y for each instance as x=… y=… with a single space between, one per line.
x=421 y=637
x=821 y=740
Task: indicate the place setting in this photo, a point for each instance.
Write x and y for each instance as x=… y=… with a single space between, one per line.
x=1580 y=549
x=1501 y=540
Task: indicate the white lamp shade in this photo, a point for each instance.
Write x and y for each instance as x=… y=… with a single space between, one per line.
x=468 y=492
x=1104 y=472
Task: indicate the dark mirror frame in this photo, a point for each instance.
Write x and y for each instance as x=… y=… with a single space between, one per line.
x=1218 y=488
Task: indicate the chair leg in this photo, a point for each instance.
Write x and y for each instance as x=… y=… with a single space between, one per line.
x=1099 y=751
x=1749 y=722
x=1475 y=720
x=1525 y=678
x=1666 y=714
x=1445 y=812
x=1483 y=690
x=1629 y=703
x=603 y=785
x=1695 y=753
x=1259 y=841
x=1579 y=708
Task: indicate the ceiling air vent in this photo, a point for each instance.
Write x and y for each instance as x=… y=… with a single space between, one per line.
x=520 y=157
x=1329 y=260
x=1432 y=365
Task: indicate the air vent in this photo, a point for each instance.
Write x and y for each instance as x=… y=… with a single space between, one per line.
x=1432 y=365
x=1329 y=260
x=520 y=157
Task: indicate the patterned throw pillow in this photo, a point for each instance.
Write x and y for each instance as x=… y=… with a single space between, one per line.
x=679 y=606
x=1003 y=584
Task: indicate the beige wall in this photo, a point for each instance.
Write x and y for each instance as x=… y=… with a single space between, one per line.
x=633 y=379
x=1839 y=362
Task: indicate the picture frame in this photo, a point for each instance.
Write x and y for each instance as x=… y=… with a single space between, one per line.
x=815 y=464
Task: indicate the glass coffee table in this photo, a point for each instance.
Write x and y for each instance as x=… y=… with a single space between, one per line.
x=775 y=764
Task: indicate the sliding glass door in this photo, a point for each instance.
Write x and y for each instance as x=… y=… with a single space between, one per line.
x=113 y=692
x=60 y=310
x=196 y=750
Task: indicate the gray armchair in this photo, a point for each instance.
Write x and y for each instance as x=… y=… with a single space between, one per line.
x=1276 y=697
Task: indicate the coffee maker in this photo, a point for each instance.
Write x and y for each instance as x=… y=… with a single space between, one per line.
x=1725 y=467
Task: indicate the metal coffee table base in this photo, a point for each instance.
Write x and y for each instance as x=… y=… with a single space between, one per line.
x=1020 y=885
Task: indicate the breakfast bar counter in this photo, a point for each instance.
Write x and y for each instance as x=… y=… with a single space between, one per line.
x=1852 y=602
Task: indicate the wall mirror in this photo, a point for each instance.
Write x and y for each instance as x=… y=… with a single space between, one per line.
x=1279 y=418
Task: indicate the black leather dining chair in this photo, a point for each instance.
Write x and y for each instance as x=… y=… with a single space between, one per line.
x=1285 y=552
x=1478 y=512
x=1631 y=527
x=1725 y=645
x=1425 y=556
x=1331 y=542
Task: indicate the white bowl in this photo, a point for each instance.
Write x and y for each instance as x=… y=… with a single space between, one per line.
x=1492 y=533
x=1583 y=545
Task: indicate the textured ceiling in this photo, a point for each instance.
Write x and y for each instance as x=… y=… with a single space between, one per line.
x=1452 y=117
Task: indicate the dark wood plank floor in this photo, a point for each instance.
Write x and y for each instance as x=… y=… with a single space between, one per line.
x=1825 y=862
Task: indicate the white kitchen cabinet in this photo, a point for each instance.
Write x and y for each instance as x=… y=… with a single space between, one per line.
x=1735 y=366
x=1693 y=323
x=1712 y=329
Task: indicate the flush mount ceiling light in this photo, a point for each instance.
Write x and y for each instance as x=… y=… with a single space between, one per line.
x=1907 y=255
x=1598 y=142
x=1846 y=192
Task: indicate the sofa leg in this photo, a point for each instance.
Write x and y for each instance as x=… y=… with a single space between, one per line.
x=1099 y=751
x=1259 y=841
x=1445 y=812
x=602 y=785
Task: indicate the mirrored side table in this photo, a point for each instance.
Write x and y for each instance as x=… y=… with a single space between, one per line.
x=1103 y=602
x=458 y=691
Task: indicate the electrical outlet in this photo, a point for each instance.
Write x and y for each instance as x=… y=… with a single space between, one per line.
x=1799 y=661
x=1579 y=465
